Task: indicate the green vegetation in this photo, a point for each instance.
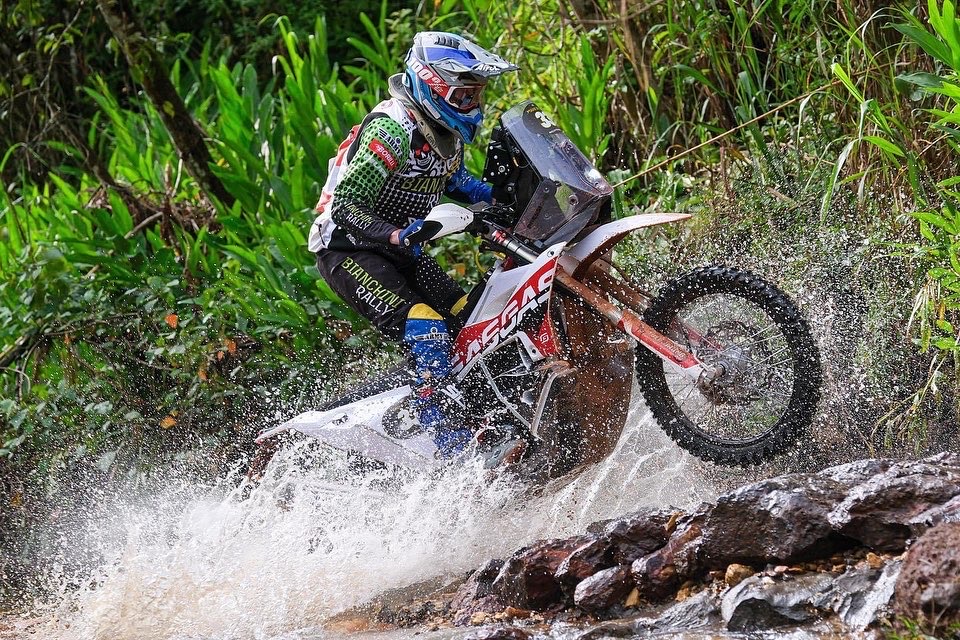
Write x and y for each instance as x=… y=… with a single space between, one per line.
x=906 y=629
x=142 y=319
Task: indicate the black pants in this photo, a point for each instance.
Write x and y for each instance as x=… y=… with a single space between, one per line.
x=382 y=287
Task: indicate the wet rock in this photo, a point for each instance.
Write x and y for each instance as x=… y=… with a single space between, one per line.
x=498 y=633
x=859 y=596
x=479 y=584
x=802 y=516
x=609 y=629
x=595 y=529
x=948 y=512
x=478 y=618
x=795 y=524
x=764 y=602
x=698 y=611
x=616 y=542
x=776 y=520
x=856 y=597
x=486 y=606
x=875 y=561
x=413 y=614
x=477 y=595
x=585 y=561
x=604 y=589
x=512 y=613
x=757 y=603
x=853 y=473
x=658 y=574
x=528 y=578
x=637 y=534
x=878 y=511
x=945 y=459
x=407 y=606
x=928 y=588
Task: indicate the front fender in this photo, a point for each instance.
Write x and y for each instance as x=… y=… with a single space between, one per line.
x=578 y=258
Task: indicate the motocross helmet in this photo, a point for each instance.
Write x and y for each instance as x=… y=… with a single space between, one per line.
x=446 y=75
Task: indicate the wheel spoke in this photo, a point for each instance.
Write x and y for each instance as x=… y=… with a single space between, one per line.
x=757 y=385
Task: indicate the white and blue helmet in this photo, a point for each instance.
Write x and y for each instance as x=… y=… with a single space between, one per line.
x=446 y=74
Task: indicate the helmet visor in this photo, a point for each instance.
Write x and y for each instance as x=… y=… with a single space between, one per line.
x=465 y=98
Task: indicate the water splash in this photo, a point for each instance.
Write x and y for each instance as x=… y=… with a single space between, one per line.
x=198 y=562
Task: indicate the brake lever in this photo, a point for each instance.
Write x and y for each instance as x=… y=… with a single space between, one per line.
x=499 y=214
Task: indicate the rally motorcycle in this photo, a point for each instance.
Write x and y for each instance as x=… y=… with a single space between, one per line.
x=553 y=333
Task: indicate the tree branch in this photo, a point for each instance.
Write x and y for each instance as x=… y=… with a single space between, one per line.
x=21 y=345
x=148 y=68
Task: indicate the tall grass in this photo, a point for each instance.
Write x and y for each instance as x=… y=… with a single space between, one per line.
x=937 y=302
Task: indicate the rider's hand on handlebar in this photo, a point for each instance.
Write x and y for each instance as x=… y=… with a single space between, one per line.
x=402 y=237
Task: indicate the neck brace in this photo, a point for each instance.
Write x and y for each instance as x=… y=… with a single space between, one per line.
x=441 y=139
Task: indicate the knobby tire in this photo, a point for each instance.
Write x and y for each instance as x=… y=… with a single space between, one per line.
x=800 y=409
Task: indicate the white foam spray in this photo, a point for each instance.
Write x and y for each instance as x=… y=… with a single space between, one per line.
x=200 y=563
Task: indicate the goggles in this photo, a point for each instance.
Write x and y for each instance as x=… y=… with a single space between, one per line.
x=464 y=98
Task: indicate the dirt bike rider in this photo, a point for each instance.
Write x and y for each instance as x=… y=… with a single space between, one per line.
x=393 y=168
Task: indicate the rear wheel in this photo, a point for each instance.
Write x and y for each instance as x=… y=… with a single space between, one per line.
x=767 y=383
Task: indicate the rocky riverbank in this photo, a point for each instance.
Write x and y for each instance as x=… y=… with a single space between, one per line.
x=861 y=547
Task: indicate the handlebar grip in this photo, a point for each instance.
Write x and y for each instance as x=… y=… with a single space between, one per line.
x=426 y=232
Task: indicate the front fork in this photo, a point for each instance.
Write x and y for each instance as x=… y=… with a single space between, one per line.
x=630 y=323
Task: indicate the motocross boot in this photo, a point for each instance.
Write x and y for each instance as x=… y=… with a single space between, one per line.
x=426 y=335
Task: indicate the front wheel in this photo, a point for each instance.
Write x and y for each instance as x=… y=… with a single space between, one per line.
x=767 y=383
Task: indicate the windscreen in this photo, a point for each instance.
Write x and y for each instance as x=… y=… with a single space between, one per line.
x=571 y=190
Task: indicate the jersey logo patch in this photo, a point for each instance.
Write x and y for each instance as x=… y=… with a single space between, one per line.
x=383 y=152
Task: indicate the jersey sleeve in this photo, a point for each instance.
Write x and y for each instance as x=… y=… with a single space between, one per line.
x=382 y=148
x=465 y=188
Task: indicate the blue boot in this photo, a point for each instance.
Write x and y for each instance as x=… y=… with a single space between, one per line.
x=426 y=335
x=450 y=440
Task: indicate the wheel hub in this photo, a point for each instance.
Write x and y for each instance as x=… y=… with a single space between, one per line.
x=726 y=348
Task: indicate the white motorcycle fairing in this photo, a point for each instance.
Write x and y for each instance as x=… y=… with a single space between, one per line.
x=358 y=426
x=507 y=298
x=580 y=256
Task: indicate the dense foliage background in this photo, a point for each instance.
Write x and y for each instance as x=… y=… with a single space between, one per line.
x=146 y=318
